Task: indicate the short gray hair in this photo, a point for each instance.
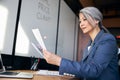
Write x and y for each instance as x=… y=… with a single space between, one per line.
x=94 y=13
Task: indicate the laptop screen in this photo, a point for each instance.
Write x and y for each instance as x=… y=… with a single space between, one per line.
x=4 y=73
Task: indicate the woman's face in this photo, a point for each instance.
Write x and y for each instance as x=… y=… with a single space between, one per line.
x=85 y=26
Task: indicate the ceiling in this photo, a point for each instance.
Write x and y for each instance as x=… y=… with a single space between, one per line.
x=109 y=8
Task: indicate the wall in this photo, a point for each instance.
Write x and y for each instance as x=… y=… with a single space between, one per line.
x=112 y=22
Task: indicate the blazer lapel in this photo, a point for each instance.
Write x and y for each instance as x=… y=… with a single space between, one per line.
x=86 y=52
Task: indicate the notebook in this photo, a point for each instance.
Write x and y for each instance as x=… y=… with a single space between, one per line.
x=10 y=74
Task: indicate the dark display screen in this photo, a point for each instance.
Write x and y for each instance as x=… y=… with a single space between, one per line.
x=1 y=68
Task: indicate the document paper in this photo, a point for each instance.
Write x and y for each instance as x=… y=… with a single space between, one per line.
x=39 y=50
x=39 y=39
x=47 y=72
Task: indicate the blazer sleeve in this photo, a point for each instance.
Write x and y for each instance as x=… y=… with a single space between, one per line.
x=104 y=52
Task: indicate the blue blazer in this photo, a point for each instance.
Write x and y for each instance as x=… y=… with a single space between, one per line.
x=100 y=64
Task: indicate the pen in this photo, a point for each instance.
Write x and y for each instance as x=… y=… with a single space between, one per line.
x=34 y=64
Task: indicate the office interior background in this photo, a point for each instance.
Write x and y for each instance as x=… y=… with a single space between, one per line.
x=57 y=21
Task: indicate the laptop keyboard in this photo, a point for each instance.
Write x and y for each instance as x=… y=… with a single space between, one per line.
x=9 y=73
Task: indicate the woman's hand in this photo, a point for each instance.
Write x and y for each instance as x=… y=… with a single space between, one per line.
x=51 y=58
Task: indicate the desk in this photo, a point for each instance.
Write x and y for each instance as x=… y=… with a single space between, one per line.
x=42 y=77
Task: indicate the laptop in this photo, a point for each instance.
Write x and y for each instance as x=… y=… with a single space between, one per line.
x=10 y=74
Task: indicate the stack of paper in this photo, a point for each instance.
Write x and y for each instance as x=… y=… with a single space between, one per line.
x=47 y=72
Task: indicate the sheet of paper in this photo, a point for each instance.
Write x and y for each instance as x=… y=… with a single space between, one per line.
x=38 y=37
x=47 y=72
x=37 y=49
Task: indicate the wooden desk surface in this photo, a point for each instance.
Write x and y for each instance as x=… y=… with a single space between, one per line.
x=42 y=77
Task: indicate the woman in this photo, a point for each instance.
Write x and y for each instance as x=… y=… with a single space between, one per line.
x=99 y=60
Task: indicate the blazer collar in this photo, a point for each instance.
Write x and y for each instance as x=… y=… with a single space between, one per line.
x=97 y=38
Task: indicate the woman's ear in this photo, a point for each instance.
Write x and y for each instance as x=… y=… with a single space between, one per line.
x=96 y=21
